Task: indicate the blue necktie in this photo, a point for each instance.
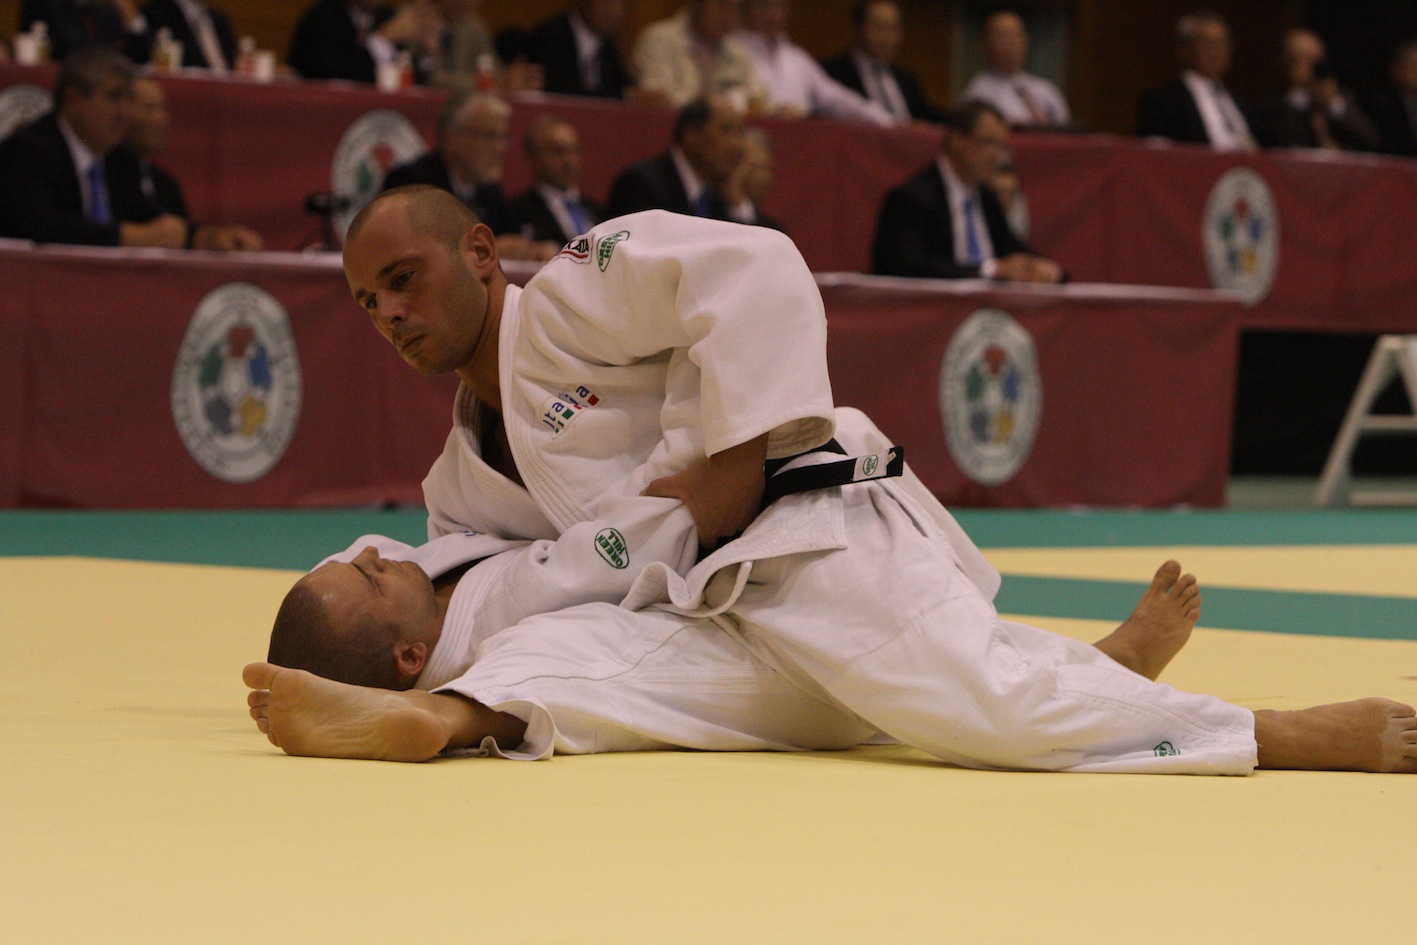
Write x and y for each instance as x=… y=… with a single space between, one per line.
x=973 y=246
x=99 y=211
x=701 y=206
x=579 y=220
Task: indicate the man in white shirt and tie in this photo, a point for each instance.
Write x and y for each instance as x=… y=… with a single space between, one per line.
x=204 y=32
x=869 y=66
x=1026 y=100
x=1197 y=108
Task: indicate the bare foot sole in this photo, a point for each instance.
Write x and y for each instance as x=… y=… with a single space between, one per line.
x=305 y=714
x=1155 y=632
x=1363 y=735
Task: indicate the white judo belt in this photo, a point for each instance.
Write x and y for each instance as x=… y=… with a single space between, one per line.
x=883 y=465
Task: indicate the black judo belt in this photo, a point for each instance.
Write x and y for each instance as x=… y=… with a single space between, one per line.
x=886 y=464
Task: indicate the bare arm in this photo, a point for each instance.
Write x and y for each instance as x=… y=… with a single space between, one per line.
x=723 y=492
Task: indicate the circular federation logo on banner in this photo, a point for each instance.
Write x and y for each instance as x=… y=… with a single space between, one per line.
x=236 y=388
x=373 y=145
x=1241 y=234
x=991 y=396
x=20 y=105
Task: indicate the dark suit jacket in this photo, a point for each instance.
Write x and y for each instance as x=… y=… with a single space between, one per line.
x=1171 y=112
x=488 y=201
x=914 y=235
x=531 y=206
x=165 y=14
x=843 y=69
x=40 y=196
x=1278 y=124
x=655 y=185
x=131 y=200
x=326 y=45
x=1395 y=128
x=72 y=25
x=553 y=45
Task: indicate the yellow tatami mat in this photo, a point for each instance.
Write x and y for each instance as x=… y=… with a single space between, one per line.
x=140 y=805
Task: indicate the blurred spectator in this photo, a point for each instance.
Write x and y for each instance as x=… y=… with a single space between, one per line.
x=554 y=208
x=693 y=54
x=869 y=66
x=141 y=190
x=463 y=55
x=751 y=181
x=795 y=84
x=54 y=187
x=577 y=50
x=1394 y=109
x=690 y=176
x=1197 y=108
x=1312 y=111
x=1025 y=100
x=468 y=161
x=946 y=223
x=204 y=32
x=347 y=39
x=73 y=24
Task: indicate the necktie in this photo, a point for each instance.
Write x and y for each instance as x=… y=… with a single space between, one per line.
x=701 y=206
x=1036 y=115
x=1230 y=115
x=888 y=93
x=580 y=222
x=99 y=211
x=973 y=247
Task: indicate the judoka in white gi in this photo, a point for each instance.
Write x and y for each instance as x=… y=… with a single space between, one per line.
x=670 y=355
x=773 y=642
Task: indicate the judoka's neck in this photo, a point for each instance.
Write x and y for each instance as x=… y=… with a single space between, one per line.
x=481 y=373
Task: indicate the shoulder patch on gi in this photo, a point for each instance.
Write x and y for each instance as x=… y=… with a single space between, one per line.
x=605 y=247
x=577 y=250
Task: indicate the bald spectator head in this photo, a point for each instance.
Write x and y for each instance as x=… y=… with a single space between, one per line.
x=1004 y=42
x=472 y=136
x=1203 y=44
x=1302 y=50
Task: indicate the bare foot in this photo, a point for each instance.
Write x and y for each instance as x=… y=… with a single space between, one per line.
x=1155 y=632
x=305 y=714
x=1363 y=735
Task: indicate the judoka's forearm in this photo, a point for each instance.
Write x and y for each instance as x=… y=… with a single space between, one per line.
x=723 y=492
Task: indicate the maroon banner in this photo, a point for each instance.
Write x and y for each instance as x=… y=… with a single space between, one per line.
x=152 y=379
x=164 y=380
x=1043 y=398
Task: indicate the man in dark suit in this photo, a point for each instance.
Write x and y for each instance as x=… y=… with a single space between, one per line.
x=73 y=24
x=344 y=39
x=945 y=222
x=468 y=161
x=205 y=33
x=1197 y=108
x=1312 y=111
x=54 y=184
x=577 y=51
x=1394 y=109
x=142 y=190
x=689 y=177
x=867 y=67
x=554 y=208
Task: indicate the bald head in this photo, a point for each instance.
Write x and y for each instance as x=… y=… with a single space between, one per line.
x=430 y=210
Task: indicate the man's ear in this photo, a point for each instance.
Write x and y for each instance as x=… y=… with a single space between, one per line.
x=479 y=251
x=410 y=658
